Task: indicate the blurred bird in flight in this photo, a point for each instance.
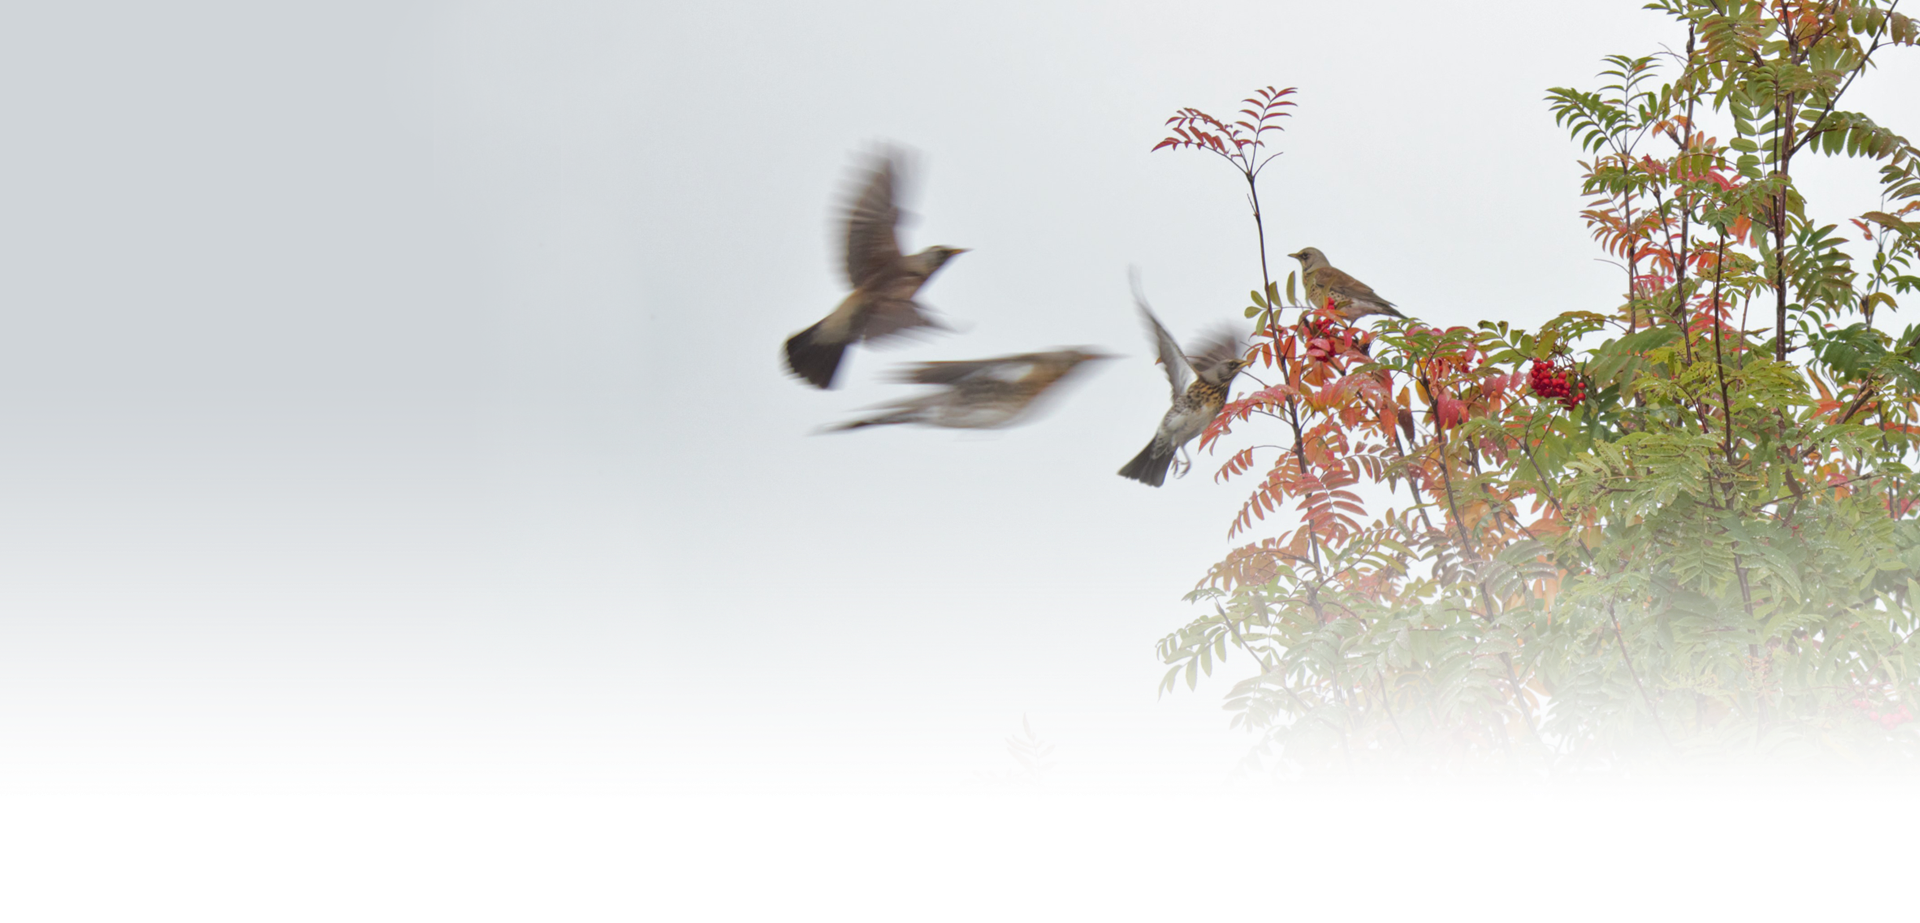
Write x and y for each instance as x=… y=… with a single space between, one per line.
x=979 y=393
x=1210 y=369
x=884 y=281
x=1353 y=298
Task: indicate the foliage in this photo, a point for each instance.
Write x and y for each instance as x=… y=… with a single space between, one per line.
x=1644 y=531
x=1028 y=753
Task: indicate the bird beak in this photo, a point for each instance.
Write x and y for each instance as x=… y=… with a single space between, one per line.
x=956 y=251
x=1296 y=255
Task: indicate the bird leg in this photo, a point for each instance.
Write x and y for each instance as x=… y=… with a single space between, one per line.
x=1182 y=463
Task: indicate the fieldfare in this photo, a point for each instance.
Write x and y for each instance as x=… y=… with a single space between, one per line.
x=1353 y=298
x=1210 y=369
x=979 y=393
x=884 y=282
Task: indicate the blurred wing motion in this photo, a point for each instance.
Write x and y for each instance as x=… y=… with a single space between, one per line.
x=978 y=393
x=884 y=281
x=872 y=250
x=1167 y=350
x=1200 y=380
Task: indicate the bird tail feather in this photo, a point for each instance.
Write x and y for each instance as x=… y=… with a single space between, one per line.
x=1150 y=466
x=898 y=416
x=814 y=358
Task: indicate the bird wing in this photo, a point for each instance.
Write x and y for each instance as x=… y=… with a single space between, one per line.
x=1215 y=355
x=1350 y=288
x=894 y=318
x=985 y=372
x=1179 y=372
x=872 y=249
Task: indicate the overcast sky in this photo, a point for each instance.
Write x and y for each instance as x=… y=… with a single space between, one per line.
x=393 y=402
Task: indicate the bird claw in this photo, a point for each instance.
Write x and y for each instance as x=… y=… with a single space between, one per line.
x=1182 y=464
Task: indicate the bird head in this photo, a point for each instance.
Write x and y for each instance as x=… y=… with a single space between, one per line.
x=1216 y=356
x=938 y=255
x=1310 y=258
x=1217 y=370
x=1219 y=373
x=1062 y=362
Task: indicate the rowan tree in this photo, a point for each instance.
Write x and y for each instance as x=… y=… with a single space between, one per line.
x=1677 y=526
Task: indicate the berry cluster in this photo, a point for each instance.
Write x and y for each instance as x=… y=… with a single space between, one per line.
x=1558 y=382
x=1888 y=720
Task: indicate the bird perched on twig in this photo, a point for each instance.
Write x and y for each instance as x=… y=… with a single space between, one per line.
x=979 y=393
x=1353 y=298
x=1210 y=369
x=884 y=282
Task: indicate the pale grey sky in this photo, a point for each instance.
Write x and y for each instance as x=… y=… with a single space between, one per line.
x=393 y=391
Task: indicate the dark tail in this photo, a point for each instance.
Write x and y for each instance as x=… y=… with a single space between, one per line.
x=812 y=358
x=1150 y=466
x=887 y=419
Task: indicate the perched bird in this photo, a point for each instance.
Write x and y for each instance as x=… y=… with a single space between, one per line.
x=979 y=393
x=1211 y=370
x=1353 y=298
x=884 y=282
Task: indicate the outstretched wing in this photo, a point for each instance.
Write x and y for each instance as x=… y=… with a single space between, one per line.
x=889 y=319
x=985 y=372
x=1179 y=372
x=872 y=249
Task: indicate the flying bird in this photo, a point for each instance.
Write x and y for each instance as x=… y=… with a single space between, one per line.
x=884 y=281
x=1199 y=381
x=1353 y=298
x=979 y=393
